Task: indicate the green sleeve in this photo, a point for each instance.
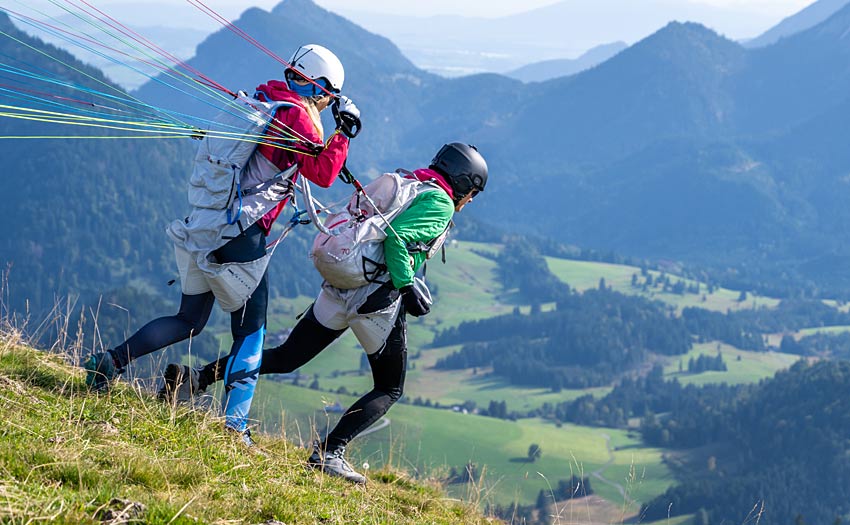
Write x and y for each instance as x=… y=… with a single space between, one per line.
x=427 y=217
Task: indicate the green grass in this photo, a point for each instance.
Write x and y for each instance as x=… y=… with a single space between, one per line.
x=69 y=456
x=468 y=288
x=584 y=275
x=432 y=441
x=743 y=366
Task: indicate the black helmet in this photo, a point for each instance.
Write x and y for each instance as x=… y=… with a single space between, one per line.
x=463 y=167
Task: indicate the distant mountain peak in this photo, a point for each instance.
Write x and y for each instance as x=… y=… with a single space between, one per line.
x=686 y=42
x=295 y=5
x=832 y=35
x=676 y=29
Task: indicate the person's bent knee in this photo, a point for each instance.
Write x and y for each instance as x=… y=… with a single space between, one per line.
x=195 y=311
x=194 y=323
x=394 y=394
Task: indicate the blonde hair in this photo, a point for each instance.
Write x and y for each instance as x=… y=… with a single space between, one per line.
x=313 y=112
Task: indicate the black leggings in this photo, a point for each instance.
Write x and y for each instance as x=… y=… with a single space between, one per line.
x=306 y=341
x=195 y=309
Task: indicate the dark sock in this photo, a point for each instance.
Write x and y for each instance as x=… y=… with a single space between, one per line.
x=115 y=361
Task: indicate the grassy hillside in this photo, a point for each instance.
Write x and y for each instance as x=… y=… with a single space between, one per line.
x=67 y=456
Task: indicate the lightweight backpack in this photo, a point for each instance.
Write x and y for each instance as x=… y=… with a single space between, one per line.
x=351 y=255
x=231 y=187
x=226 y=150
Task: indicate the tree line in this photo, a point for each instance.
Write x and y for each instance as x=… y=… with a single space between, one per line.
x=781 y=444
x=586 y=341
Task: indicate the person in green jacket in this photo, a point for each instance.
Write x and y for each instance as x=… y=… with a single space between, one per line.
x=375 y=313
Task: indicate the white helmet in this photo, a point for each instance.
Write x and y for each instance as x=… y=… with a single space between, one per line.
x=316 y=63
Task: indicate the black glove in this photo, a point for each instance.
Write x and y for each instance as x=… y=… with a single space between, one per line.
x=414 y=303
x=346 y=116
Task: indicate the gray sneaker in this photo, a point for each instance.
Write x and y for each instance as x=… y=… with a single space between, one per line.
x=180 y=383
x=333 y=462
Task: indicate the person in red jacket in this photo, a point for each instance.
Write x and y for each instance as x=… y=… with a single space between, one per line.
x=312 y=82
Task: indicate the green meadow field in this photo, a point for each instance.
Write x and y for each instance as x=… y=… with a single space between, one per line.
x=743 y=366
x=431 y=441
x=583 y=275
x=775 y=340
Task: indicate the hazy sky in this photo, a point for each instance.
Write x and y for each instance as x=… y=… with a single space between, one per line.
x=780 y=8
x=489 y=8
x=480 y=8
x=468 y=52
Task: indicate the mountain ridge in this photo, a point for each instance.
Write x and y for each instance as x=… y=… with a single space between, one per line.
x=810 y=16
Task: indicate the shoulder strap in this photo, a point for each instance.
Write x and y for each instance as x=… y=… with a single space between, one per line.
x=431 y=247
x=284 y=178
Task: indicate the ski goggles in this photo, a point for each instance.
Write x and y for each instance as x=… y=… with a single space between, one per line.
x=297 y=85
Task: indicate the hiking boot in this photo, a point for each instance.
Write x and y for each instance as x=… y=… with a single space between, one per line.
x=180 y=383
x=333 y=462
x=100 y=371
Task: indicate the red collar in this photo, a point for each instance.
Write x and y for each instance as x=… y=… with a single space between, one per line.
x=427 y=174
x=279 y=91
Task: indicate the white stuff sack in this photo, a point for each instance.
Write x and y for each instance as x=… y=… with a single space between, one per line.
x=234 y=283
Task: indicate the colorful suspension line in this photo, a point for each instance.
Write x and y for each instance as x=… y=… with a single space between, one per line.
x=51 y=29
x=50 y=117
x=146 y=43
x=147 y=119
x=128 y=104
x=82 y=41
x=282 y=130
x=77 y=70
